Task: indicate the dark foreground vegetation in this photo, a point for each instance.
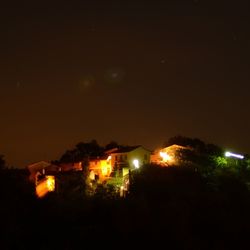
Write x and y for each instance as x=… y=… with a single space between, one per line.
x=204 y=203
x=169 y=207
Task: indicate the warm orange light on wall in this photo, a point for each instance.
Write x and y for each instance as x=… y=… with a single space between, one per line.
x=102 y=168
x=165 y=156
x=50 y=183
x=45 y=186
x=105 y=167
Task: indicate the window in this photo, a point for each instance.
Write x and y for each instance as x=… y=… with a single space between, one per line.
x=145 y=157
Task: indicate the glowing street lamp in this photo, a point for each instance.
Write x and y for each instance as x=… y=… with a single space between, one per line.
x=229 y=154
x=136 y=163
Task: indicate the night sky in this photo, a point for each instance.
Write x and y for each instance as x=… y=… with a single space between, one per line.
x=138 y=72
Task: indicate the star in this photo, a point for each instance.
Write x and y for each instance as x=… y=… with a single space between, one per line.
x=114 y=75
x=18 y=85
x=86 y=83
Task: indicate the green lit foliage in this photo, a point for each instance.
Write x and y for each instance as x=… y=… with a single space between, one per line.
x=229 y=166
x=106 y=192
x=220 y=161
x=197 y=154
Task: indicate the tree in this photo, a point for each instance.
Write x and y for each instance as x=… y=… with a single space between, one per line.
x=68 y=157
x=204 y=157
x=195 y=143
x=2 y=162
x=111 y=145
x=91 y=149
x=82 y=151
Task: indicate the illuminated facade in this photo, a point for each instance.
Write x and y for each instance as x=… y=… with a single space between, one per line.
x=130 y=157
x=125 y=160
x=43 y=175
x=46 y=185
x=100 y=167
x=37 y=168
x=167 y=156
x=118 y=162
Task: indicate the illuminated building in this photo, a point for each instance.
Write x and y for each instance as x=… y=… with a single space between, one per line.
x=130 y=157
x=100 y=167
x=46 y=185
x=43 y=175
x=115 y=166
x=167 y=156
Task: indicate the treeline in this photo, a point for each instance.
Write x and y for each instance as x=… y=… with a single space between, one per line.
x=86 y=150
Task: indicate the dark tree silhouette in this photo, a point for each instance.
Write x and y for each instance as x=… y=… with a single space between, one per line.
x=82 y=151
x=111 y=145
x=91 y=149
x=2 y=162
x=197 y=153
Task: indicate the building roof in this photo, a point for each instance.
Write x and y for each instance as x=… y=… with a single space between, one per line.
x=126 y=149
x=98 y=158
x=112 y=150
x=34 y=167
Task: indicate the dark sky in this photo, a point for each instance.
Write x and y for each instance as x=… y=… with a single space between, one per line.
x=137 y=72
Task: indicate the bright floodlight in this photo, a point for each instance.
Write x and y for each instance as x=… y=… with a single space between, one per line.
x=165 y=156
x=136 y=163
x=229 y=154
